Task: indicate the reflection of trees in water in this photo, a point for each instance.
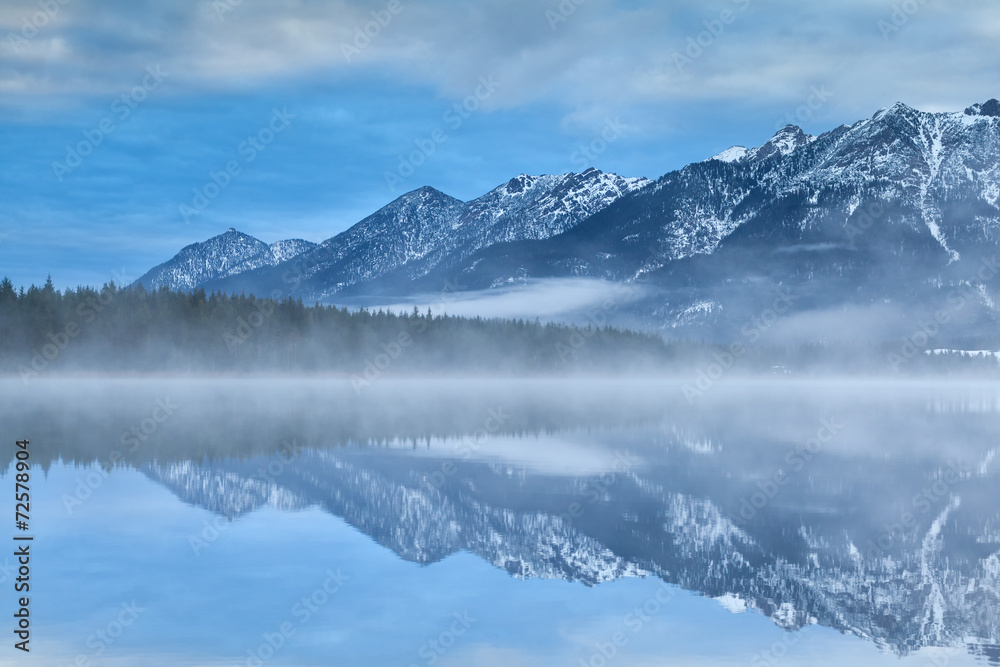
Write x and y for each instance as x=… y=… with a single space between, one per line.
x=673 y=514
x=673 y=510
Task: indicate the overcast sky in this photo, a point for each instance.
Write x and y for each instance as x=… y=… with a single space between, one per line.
x=116 y=116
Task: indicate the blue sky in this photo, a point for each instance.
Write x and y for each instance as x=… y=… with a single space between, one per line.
x=163 y=94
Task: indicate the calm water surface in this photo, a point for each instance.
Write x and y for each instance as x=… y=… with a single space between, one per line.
x=447 y=523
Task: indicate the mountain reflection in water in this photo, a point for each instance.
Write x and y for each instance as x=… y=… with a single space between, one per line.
x=869 y=508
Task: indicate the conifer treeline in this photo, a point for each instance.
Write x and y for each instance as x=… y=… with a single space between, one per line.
x=116 y=329
x=132 y=330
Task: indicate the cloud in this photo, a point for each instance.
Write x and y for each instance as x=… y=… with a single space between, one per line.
x=847 y=324
x=601 y=50
x=360 y=110
x=546 y=455
x=555 y=299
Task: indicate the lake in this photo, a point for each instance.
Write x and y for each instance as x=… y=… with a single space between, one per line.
x=276 y=521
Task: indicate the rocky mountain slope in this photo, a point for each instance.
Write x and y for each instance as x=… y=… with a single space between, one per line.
x=229 y=254
x=815 y=557
x=890 y=216
x=426 y=229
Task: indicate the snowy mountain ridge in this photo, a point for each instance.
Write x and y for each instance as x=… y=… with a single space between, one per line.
x=902 y=206
x=896 y=209
x=923 y=592
x=412 y=235
x=227 y=254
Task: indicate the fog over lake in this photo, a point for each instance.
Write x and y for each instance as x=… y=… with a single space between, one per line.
x=530 y=522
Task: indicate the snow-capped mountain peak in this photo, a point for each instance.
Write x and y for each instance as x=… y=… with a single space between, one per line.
x=289 y=248
x=784 y=142
x=904 y=193
x=989 y=108
x=230 y=253
x=896 y=109
x=519 y=184
x=537 y=207
x=426 y=228
x=732 y=154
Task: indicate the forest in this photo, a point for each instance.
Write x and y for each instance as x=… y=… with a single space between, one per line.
x=129 y=329
x=123 y=330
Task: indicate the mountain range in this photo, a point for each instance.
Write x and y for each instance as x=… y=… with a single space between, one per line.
x=420 y=231
x=874 y=225
x=870 y=508
x=229 y=254
x=811 y=558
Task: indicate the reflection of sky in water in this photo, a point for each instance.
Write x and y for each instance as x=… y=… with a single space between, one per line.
x=129 y=541
x=544 y=454
x=689 y=467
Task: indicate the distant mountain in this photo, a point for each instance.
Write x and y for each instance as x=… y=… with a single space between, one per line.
x=783 y=143
x=426 y=229
x=890 y=532
x=900 y=209
x=527 y=208
x=228 y=254
x=289 y=248
x=408 y=228
x=803 y=563
x=888 y=217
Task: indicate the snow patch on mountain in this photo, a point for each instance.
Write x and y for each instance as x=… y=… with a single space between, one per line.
x=426 y=228
x=733 y=603
x=786 y=141
x=228 y=254
x=783 y=143
x=286 y=250
x=732 y=154
x=903 y=189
